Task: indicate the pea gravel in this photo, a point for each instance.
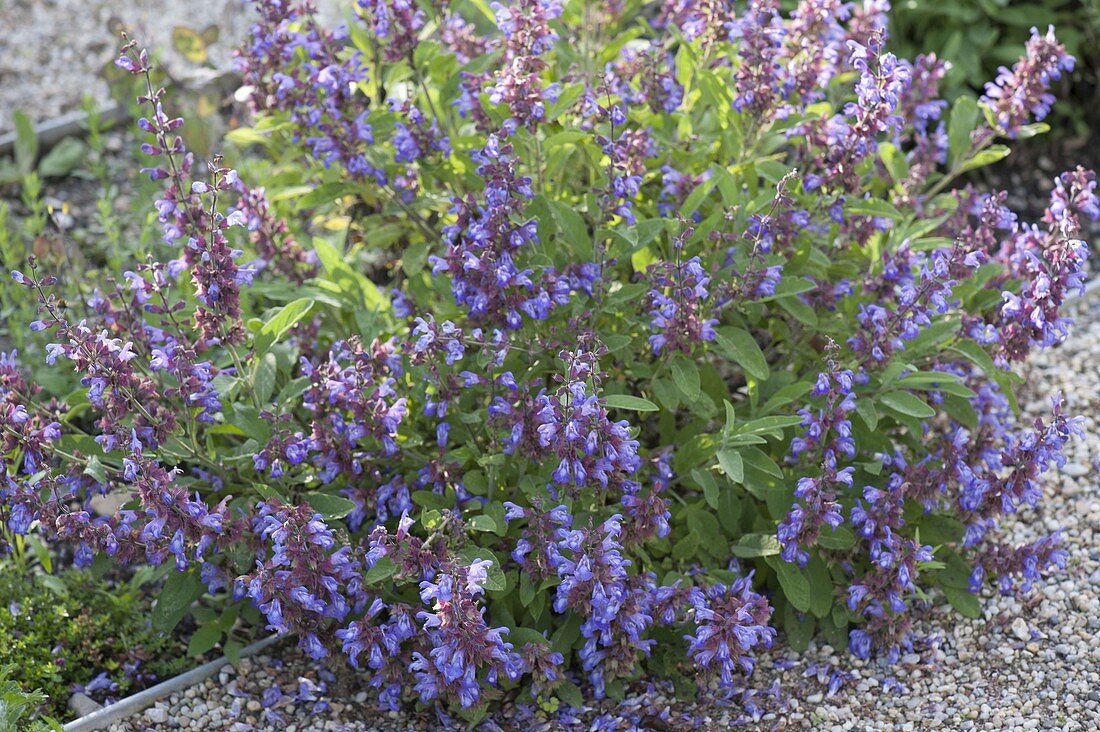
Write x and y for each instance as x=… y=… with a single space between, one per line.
x=52 y=52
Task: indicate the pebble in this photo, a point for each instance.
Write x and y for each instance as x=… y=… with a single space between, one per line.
x=156 y=715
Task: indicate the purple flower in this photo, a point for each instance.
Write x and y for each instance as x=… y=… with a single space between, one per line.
x=678 y=305
x=731 y=622
x=1019 y=95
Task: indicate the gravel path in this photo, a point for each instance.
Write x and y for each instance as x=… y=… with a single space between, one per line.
x=52 y=51
x=1026 y=665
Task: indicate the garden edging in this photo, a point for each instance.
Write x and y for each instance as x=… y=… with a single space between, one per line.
x=135 y=703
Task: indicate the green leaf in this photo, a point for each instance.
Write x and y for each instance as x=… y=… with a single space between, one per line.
x=800 y=631
x=331 y=507
x=282 y=321
x=54 y=584
x=821 y=587
x=740 y=346
x=526 y=589
x=65 y=157
x=180 y=590
x=482 y=522
x=705 y=524
x=764 y=425
x=756 y=545
x=247 y=418
x=1031 y=130
x=685 y=374
x=203 y=640
x=325 y=193
x=964 y=118
x=979 y=357
x=569 y=94
x=894 y=160
x=383 y=569
x=962 y=411
x=706 y=481
x=696 y=197
x=756 y=458
x=990 y=155
x=799 y=310
x=617 y=342
x=840 y=538
x=732 y=465
x=865 y=408
x=246 y=136
x=875 y=207
x=95 y=470
x=936 y=381
x=573 y=228
x=232 y=650
x=431 y=499
x=414 y=258
x=788 y=287
x=686 y=548
x=729 y=511
x=907 y=404
x=957 y=572
x=965 y=602
x=263 y=377
x=569 y=693
x=26 y=142
x=190 y=44
x=936 y=529
x=796 y=588
x=625 y=401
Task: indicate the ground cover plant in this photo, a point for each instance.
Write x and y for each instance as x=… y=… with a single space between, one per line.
x=74 y=631
x=542 y=347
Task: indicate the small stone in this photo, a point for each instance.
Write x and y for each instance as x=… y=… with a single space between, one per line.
x=156 y=715
x=83 y=705
x=1020 y=629
x=1075 y=470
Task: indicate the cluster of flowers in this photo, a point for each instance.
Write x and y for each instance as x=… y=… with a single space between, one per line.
x=635 y=380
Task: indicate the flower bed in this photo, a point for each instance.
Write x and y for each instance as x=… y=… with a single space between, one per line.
x=572 y=345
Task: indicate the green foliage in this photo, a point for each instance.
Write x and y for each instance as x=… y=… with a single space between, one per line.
x=64 y=629
x=17 y=705
x=65 y=157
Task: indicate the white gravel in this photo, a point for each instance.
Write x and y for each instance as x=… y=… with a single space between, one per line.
x=52 y=51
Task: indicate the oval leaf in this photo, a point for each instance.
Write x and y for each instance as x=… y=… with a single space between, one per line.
x=625 y=401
